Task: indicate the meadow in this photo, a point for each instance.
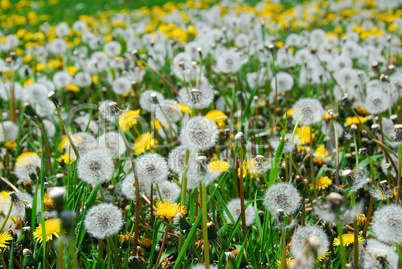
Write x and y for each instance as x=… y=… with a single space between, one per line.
x=201 y=134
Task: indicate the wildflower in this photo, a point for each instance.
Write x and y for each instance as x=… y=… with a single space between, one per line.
x=8 y=131
x=199 y=133
x=82 y=79
x=322 y=183
x=300 y=240
x=144 y=142
x=202 y=266
x=168 y=111
x=27 y=163
x=125 y=237
x=303 y=133
x=128 y=119
x=355 y=120
x=308 y=111
x=177 y=158
x=72 y=88
x=61 y=79
x=147 y=102
x=198 y=98
x=347 y=239
x=95 y=167
x=283 y=80
x=65 y=158
x=218 y=117
x=52 y=228
x=223 y=104
x=84 y=143
x=387 y=224
x=168 y=210
x=218 y=165
x=4 y=238
x=103 y=220
x=151 y=167
x=361 y=219
x=282 y=196
x=10 y=145
x=229 y=62
x=112 y=48
x=128 y=188
x=121 y=85
x=145 y=243
x=113 y=143
x=379 y=255
x=377 y=102
x=169 y=190
x=234 y=207
x=184 y=108
x=289 y=143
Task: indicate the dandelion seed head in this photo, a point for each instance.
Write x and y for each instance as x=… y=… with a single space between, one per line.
x=103 y=220
x=308 y=111
x=229 y=62
x=377 y=102
x=199 y=133
x=112 y=143
x=177 y=159
x=303 y=233
x=377 y=255
x=147 y=101
x=282 y=196
x=387 y=224
x=8 y=131
x=234 y=207
x=95 y=167
x=200 y=97
x=151 y=167
x=171 y=112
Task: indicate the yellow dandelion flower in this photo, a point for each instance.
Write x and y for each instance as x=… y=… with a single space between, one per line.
x=184 y=108
x=320 y=155
x=4 y=238
x=361 y=219
x=169 y=210
x=156 y=124
x=72 y=70
x=247 y=170
x=10 y=145
x=145 y=243
x=62 y=144
x=49 y=202
x=347 y=240
x=362 y=111
x=65 y=158
x=355 y=120
x=321 y=183
x=72 y=88
x=129 y=119
x=52 y=228
x=144 y=142
x=218 y=165
x=125 y=237
x=95 y=79
x=303 y=133
x=218 y=117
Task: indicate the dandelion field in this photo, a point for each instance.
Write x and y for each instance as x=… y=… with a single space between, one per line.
x=201 y=134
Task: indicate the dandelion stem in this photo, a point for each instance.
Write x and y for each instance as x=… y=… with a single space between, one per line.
x=162 y=248
x=8 y=215
x=101 y=193
x=398 y=187
x=204 y=224
x=355 y=245
x=67 y=133
x=312 y=165
x=336 y=153
x=341 y=245
x=283 y=260
x=243 y=210
x=370 y=209
x=116 y=255
x=100 y=251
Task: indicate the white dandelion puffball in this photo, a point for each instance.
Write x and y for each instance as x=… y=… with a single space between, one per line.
x=282 y=196
x=35 y=93
x=61 y=79
x=128 y=186
x=177 y=159
x=112 y=143
x=199 y=133
x=103 y=220
x=387 y=224
x=374 y=250
x=5 y=92
x=121 y=85
x=171 y=112
x=202 y=266
x=151 y=167
x=284 y=80
x=199 y=98
x=377 y=102
x=95 y=167
x=82 y=79
x=288 y=144
x=147 y=102
x=26 y=164
x=234 y=207
x=84 y=143
x=304 y=233
x=308 y=111
x=8 y=131
x=169 y=190
x=229 y=62
x=112 y=48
